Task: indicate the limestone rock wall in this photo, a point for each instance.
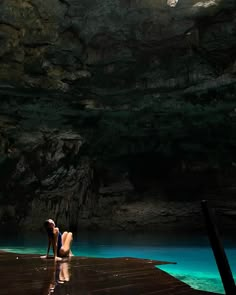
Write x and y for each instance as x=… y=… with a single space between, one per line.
x=105 y=104
x=45 y=176
x=118 y=45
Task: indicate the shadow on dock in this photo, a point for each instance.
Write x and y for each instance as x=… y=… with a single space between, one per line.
x=31 y=275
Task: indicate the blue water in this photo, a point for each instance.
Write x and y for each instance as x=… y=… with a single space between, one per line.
x=195 y=262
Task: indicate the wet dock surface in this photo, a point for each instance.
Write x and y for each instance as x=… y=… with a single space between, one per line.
x=31 y=275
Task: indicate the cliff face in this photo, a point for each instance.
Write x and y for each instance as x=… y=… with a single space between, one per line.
x=116 y=113
x=85 y=48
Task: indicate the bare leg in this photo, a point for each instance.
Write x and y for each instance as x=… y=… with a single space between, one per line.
x=65 y=272
x=61 y=275
x=71 y=254
x=65 y=249
x=68 y=242
x=63 y=237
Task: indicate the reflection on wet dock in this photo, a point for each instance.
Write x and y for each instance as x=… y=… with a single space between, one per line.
x=31 y=275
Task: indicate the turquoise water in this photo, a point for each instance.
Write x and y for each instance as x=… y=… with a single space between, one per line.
x=195 y=262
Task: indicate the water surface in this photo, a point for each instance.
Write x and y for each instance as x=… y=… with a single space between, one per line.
x=195 y=261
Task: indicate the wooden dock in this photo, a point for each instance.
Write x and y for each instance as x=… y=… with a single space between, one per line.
x=31 y=275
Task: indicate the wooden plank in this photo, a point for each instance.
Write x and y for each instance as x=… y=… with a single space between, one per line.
x=28 y=274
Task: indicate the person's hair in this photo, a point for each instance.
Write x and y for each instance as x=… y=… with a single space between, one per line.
x=47 y=222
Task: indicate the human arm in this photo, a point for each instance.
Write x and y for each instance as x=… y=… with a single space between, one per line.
x=49 y=246
x=54 y=243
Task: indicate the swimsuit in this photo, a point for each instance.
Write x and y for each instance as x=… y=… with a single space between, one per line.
x=59 y=244
x=59 y=240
